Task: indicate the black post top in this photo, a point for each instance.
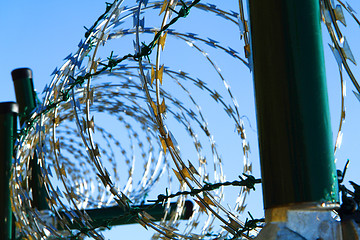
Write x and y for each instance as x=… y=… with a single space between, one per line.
x=9 y=107
x=21 y=73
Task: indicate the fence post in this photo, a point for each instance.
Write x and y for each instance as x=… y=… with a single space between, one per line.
x=26 y=98
x=295 y=138
x=8 y=128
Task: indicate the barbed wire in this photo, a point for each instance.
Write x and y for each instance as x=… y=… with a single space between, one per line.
x=72 y=97
x=73 y=83
x=249 y=182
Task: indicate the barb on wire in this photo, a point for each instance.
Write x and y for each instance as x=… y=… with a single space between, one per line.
x=249 y=225
x=249 y=182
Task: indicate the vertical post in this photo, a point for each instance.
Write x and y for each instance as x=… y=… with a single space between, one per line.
x=8 y=127
x=25 y=97
x=24 y=91
x=295 y=138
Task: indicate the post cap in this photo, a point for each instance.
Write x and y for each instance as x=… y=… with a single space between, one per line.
x=9 y=107
x=189 y=209
x=21 y=73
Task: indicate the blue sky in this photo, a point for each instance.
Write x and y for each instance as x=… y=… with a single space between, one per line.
x=40 y=34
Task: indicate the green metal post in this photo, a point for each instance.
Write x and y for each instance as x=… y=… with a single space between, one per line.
x=25 y=97
x=295 y=138
x=8 y=127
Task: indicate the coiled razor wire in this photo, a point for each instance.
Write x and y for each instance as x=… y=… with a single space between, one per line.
x=142 y=103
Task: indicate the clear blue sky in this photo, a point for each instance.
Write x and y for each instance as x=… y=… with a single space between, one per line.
x=40 y=34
